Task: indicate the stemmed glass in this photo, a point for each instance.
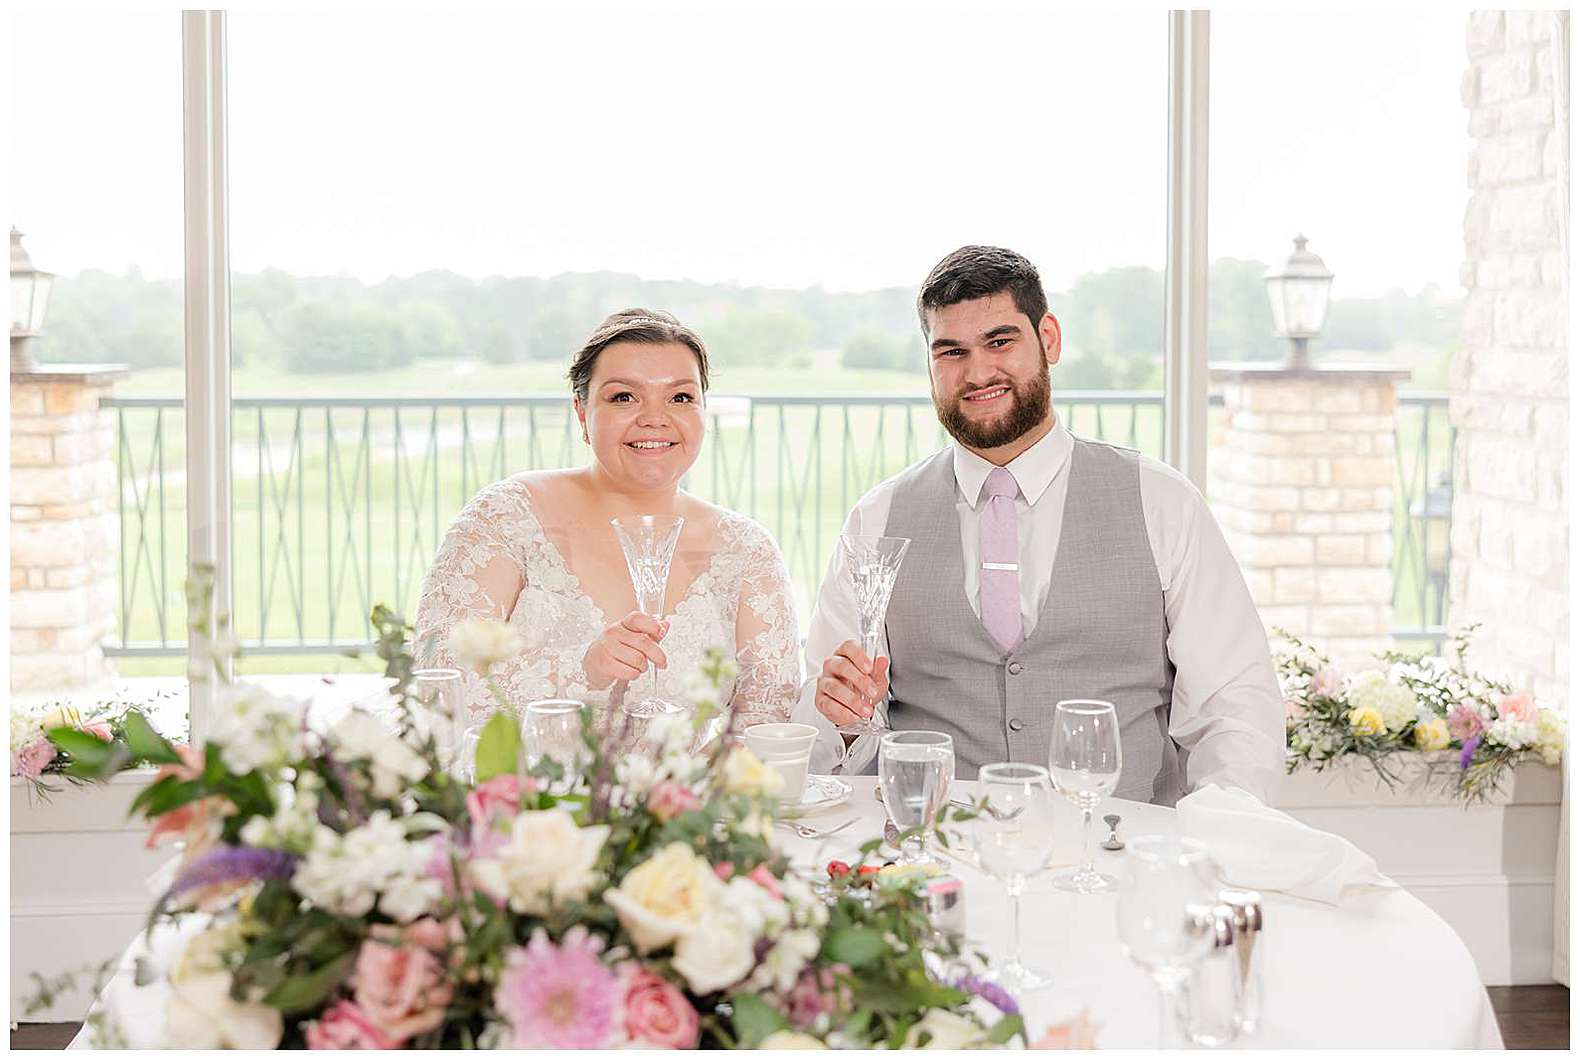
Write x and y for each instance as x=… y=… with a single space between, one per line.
x=915 y=771
x=436 y=694
x=1013 y=841
x=1164 y=913
x=872 y=563
x=1084 y=760
x=552 y=729
x=648 y=542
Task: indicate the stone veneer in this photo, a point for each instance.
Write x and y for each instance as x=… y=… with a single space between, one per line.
x=63 y=527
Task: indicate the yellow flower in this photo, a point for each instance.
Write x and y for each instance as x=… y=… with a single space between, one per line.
x=1367 y=721
x=790 y=1040
x=745 y=774
x=664 y=897
x=1431 y=735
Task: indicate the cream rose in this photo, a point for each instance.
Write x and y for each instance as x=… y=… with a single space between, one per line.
x=948 y=1030
x=790 y=1040
x=718 y=952
x=745 y=774
x=479 y=643
x=547 y=859
x=202 y=1015
x=664 y=897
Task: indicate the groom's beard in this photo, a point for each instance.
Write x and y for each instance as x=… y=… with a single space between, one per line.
x=1028 y=408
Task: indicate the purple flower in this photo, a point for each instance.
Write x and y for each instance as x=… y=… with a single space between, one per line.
x=232 y=865
x=992 y=993
x=1469 y=751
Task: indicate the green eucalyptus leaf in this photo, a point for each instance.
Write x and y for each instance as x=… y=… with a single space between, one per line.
x=855 y=946
x=754 y=1019
x=498 y=748
x=145 y=743
x=1005 y=1029
x=300 y=993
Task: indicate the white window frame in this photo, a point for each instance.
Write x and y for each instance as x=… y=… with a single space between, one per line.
x=1185 y=274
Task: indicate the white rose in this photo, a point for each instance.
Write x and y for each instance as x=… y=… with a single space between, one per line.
x=548 y=858
x=202 y=1015
x=745 y=774
x=717 y=953
x=479 y=643
x=790 y=1040
x=665 y=896
x=949 y=1030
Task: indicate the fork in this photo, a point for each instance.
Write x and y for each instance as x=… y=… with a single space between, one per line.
x=806 y=832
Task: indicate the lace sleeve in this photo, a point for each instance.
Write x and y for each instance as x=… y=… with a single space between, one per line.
x=477 y=573
x=767 y=639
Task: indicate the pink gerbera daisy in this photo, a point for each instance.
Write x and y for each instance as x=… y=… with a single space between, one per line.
x=560 y=997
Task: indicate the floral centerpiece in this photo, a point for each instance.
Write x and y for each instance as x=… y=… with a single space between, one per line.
x=1415 y=702
x=41 y=761
x=349 y=888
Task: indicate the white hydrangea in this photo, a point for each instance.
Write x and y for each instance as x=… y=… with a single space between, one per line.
x=1396 y=704
x=347 y=874
x=26 y=727
x=394 y=765
x=257 y=729
x=1550 y=737
x=294 y=824
x=1513 y=734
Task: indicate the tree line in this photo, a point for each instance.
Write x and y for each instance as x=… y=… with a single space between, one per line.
x=1112 y=321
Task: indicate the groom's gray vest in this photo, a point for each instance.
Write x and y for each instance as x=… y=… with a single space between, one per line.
x=1101 y=634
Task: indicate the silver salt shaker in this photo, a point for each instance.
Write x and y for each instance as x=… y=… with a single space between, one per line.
x=1212 y=993
x=1247 y=910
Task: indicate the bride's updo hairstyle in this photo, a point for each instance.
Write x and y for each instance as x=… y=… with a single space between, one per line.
x=653 y=327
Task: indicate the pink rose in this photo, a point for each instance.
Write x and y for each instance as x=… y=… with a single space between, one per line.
x=724 y=870
x=764 y=879
x=657 y=1015
x=1465 y=722
x=1328 y=683
x=101 y=731
x=33 y=759
x=500 y=796
x=440 y=866
x=1521 y=706
x=346 y=1027
x=401 y=987
x=671 y=799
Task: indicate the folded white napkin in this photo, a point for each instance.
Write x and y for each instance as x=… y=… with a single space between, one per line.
x=1265 y=849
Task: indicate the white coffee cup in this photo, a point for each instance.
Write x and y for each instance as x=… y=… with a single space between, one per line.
x=786 y=748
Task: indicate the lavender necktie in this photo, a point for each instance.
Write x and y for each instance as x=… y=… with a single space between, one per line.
x=1000 y=576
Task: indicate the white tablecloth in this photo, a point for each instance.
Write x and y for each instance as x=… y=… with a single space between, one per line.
x=1380 y=971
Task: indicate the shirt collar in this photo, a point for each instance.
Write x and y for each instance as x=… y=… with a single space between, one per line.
x=1034 y=470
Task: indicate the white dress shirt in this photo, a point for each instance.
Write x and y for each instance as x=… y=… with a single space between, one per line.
x=1227 y=713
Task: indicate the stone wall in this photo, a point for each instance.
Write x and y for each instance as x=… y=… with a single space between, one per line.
x=1509 y=385
x=64 y=529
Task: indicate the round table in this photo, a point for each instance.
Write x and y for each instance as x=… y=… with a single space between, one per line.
x=1379 y=971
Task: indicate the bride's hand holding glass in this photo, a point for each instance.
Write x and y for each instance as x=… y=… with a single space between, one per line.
x=624 y=650
x=851 y=685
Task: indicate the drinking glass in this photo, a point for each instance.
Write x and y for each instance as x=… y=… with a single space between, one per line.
x=436 y=695
x=1013 y=841
x=648 y=542
x=915 y=770
x=466 y=760
x=552 y=729
x=1164 y=912
x=1084 y=760
x=872 y=564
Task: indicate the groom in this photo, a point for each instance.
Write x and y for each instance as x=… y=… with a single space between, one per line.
x=1042 y=567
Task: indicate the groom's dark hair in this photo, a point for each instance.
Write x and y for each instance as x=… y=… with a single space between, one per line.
x=980 y=272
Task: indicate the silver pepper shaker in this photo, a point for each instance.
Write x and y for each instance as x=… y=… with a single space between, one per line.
x=1247 y=909
x=1210 y=1001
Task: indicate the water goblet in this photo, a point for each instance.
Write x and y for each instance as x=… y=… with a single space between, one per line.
x=1085 y=761
x=1164 y=914
x=648 y=543
x=1013 y=842
x=915 y=771
x=435 y=694
x=551 y=730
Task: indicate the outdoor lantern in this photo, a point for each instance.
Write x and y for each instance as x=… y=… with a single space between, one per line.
x=29 y=301
x=1299 y=293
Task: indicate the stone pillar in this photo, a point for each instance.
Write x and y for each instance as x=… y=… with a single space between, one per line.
x=64 y=540
x=1303 y=488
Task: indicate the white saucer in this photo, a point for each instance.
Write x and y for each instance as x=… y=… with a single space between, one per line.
x=820 y=793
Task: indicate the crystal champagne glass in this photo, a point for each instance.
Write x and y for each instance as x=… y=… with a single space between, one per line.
x=648 y=542
x=872 y=564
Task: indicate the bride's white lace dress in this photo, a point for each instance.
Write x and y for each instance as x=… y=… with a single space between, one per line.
x=739 y=604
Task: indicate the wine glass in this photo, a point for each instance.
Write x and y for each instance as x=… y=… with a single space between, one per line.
x=1164 y=912
x=436 y=694
x=648 y=542
x=1084 y=760
x=915 y=770
x=552 y=729
x=1014 y=841
x=872 y=564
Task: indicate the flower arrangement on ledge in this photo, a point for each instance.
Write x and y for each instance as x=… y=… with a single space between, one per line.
x=1420 y=702
x=40 y=760
x=357 y=892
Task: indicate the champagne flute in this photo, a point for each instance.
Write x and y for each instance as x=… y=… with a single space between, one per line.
x=1085 y=762
x=1164 y=914
x=552 y=729
x=915 y=770
x=436 y=694
x=1014 y=841
x=648 y=542
x=873 y=564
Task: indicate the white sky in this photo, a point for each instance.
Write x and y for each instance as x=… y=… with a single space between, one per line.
x=782 y=148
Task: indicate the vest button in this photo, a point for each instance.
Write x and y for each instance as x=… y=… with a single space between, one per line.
x=1015 y=725
x=1016 y=668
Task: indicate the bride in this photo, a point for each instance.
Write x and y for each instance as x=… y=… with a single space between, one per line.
x=537 y=550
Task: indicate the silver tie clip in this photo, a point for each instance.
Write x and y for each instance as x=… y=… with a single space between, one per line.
x=1001 y=566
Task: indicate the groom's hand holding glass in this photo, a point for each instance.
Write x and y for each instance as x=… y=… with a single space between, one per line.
x=851 y=685
x=624 y=649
